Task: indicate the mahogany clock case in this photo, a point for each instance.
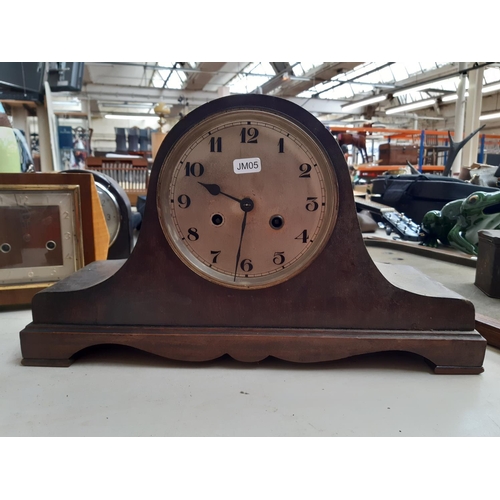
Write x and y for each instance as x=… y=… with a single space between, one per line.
x=340 y=305
x=121 y=247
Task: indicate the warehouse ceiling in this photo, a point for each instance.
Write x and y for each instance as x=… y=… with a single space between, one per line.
x=323 y=88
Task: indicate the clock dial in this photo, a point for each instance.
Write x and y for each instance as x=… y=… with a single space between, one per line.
x=39 y=234
x=247 y=198
x=111 y=211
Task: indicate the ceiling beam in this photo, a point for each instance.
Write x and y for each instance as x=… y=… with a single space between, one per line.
x=197 y=81
x=225 y=75
x=125 y=93
x=314 y=76
x=117 y=93
x=281 y=69
x=318 y=105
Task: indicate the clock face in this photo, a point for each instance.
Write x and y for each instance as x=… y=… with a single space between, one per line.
x=247 y=198
x=111 y=211
x=40 y=235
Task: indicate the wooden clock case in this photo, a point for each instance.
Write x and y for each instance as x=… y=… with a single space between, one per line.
x=95 y=237
x=341 y=305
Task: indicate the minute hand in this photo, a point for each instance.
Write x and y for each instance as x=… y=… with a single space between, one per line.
x=243 y=225
x=214 y=189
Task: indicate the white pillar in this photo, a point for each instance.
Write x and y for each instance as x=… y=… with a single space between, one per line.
x=46 y=162
x=459 y=117
x=86 y=110
x=472 y=113
x=20 y=120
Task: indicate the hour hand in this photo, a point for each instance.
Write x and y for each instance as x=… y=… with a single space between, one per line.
x=214 y=189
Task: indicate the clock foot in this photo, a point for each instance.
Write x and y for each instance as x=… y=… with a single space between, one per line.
x=458 y=370
x=46 y=362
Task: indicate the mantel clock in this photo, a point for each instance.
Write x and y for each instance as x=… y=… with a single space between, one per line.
x=250 y=246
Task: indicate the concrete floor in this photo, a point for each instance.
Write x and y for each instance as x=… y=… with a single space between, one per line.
x=116 y=391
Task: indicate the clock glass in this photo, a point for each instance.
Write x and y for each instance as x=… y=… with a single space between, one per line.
x=40 y=234
x=111 y=211
x=247 y=198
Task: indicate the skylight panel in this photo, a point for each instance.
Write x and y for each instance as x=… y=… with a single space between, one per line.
x=168 y=77
x=320 y=87
x=157 y=81
x=307 y=94
x=491 y=75
x=413 y=68
x=166 y=65
x=298 y=70
x=356 y=72
x=382 y=76
x=340 y=92
x=413 y=97
x=451 y=84
x=399 y=71
x=427 y=66
x=256 y=75
x=176 y=80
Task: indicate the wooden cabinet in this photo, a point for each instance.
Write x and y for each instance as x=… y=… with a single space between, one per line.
x=390 y=154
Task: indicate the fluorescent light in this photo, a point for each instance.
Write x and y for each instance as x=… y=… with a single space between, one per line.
x=424 y=86
x=364 y=102
x=485 y=90
x=492 y=116
x=130 y=117
x=450 y=97
x=408 y=107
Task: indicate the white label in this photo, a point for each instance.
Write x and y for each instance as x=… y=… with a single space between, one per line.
x=247 y=165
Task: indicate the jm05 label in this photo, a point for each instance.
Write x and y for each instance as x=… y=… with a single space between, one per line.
x=247 y=165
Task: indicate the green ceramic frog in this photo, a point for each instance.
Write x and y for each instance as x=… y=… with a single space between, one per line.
x=458 y=222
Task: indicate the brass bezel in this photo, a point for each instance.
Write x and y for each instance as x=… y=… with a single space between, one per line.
x=171 y=163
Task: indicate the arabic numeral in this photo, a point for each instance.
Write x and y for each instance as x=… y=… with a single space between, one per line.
x=215 y=253
x=312 y=206
x=216 y=145
x=252 y=133
x=303 y=236
x=184 y=201
x=305 y=168
x=246 y=265
x=193 y=234
x=195 y=169
x=279 y=258
x=281 y=145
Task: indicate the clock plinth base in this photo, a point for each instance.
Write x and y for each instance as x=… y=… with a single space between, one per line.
x=448 y=351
